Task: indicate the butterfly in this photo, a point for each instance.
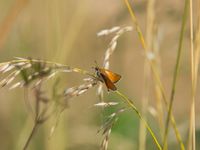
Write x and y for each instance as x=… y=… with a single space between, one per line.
x=108 y=77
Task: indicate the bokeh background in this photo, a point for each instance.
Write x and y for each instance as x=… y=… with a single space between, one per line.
x=64 y=31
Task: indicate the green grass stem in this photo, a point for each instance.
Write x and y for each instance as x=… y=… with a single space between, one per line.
x=134 y=108
x=176 y=70
x=155 y=73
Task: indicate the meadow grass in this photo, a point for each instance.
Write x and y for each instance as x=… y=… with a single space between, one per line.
x=32 y=74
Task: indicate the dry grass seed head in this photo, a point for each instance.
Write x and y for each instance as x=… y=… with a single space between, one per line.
x=76 y=91
x=113 y=44
x=106 y=128
x=118 y=31
x=32 y=70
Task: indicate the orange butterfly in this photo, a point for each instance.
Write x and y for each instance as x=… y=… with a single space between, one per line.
x=108 y=77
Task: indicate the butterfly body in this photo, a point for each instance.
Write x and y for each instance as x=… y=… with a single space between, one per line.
x=108 y=77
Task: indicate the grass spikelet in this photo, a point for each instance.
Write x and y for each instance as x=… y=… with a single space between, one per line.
x=118 y=32
x=106 y=128
x=108 y=31
x=112 y=46
x=33 y=70
x=105 y=104
x=76 y=91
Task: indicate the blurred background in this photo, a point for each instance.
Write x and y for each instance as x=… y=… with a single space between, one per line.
x=65 y=31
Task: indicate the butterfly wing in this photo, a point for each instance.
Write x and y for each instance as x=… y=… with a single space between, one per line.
x=112 y=76
x=108 y=82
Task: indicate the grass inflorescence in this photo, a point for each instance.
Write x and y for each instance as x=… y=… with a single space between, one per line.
x=33 y=74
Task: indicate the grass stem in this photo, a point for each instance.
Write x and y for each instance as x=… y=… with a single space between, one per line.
x=175 y=73
x=155 y=73
x=33 y=131
x=194 y=65
x=134 y=108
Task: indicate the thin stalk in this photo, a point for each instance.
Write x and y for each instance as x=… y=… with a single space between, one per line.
x=85 y=72
x=134 y=108
x=145 y=101
x=155 y=72
x=33 y=131
x=157 y=63
x=175 y=73
x=141 y=37
x=194 y=72
x=173 y=122
x=147 y=73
